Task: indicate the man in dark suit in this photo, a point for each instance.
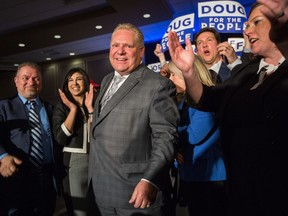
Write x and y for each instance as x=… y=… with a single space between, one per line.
x=219 y=58
x=26 y=188
x=133 y=133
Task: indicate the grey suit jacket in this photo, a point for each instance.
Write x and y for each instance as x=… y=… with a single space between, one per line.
x=133 y=138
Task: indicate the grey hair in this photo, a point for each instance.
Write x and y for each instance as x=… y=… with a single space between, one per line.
x=30 y=64
x=131 y=27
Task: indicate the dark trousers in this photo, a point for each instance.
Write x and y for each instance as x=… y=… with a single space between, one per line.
x=204 y=198
x=131 y=212
x=96 y=210
x=28 y=193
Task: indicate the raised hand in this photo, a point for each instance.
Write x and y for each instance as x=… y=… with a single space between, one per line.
x=225 y=49
x=89 y=99
x=183 y=58
x=66 y=101
x=277 y=13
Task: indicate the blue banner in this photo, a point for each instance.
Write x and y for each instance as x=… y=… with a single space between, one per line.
x=224 y=16
x=183 y=26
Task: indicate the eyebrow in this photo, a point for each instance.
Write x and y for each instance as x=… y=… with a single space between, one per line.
x=259 y=16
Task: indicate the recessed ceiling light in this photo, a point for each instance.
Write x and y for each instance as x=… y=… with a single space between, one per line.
x=48 y=59
x=98 y=27
x=21 y=45
x=71 y=54
x=57 y=36
x=146 y=16
x=16 y=65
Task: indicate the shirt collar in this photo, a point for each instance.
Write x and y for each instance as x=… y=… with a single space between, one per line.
x=124 y=76
x=24 y=100
x=271 y=68
x=216 y=67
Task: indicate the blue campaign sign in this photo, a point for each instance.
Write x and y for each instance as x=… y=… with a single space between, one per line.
x=183 y=25
x=237 y=44
x=224 y=16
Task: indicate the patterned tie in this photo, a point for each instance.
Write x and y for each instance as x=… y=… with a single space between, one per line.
x=36 y=148
x=263 y=73
x=115 y=85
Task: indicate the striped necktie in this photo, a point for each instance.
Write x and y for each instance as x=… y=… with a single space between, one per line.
x=36 y=148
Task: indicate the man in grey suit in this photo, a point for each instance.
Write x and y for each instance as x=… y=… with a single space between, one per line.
x=133 y=133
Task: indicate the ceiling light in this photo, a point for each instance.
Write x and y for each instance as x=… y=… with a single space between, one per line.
x=146 y=16
x=16 y=65
x=98 y=27
x=57 y=36
x=71 y=54
x=48 y=59
x=21 y=45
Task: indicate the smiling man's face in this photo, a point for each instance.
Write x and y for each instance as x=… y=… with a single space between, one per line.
x=125 y=51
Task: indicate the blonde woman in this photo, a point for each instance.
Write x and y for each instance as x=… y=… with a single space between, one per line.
x=199 y=158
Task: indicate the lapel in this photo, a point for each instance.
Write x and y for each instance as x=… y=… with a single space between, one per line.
x=244 y=73
x=104 y=86
x=277 y=75
x=240 y=75
x=124 y=89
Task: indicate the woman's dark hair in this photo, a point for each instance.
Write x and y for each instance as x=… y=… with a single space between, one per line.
x=66 y=79
x=253 y=6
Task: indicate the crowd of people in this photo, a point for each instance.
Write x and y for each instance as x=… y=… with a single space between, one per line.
x=252 y=122
x=214 y=121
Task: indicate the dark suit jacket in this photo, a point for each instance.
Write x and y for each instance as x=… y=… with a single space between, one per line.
x=14 y=124
x=14 y=130
x=60 y=114
x=254 y=133
x=133 y=138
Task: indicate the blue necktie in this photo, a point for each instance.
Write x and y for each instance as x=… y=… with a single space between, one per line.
x=36 y=148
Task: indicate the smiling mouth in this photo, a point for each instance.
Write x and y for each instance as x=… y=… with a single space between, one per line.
x=121 y=59
x=253 y=40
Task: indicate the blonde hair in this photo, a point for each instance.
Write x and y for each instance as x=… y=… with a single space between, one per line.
x=131 y=27
x=174 y=69
x=203 y=73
